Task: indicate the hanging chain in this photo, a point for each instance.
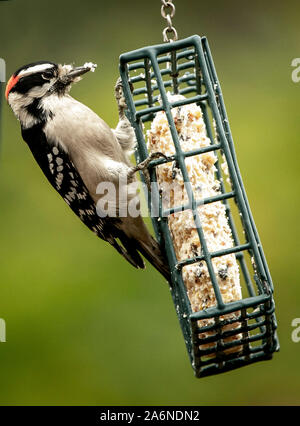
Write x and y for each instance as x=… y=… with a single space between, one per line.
x=168 y=12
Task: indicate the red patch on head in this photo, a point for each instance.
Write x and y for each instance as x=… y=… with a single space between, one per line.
x=11 y=83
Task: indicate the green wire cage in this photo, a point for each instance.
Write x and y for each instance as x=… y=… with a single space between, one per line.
x=186 y=67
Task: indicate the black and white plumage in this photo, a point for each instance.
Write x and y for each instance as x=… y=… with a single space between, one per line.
x=77 y=150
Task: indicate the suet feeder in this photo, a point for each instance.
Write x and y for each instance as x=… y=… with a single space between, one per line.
x=186 y=67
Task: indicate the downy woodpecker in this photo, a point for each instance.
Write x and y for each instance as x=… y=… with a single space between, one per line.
x=77 y=150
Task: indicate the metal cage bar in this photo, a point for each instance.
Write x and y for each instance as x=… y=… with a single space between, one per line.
x=162 y=67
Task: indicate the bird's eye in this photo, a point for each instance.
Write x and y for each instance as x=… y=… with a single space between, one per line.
x=47 y=75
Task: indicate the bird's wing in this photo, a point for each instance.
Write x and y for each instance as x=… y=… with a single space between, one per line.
x=64 y=177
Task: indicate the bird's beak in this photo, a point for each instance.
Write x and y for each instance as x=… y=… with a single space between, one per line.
x=79 y=71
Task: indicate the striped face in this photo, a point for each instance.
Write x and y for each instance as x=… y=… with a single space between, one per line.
x=33 y=80
x=30 y=85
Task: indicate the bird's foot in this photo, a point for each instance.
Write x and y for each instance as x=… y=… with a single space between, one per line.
x=119 y=95
x=120 y=98
x=143 y=166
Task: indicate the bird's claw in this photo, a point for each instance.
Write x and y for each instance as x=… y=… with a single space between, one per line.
x=120 y=98
x=143 y=166
x=119 y=95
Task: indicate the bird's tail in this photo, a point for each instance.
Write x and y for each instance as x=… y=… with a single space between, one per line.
x=136 y=239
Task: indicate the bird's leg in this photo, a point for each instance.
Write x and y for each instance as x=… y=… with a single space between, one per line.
x=143 y=166
x=124 y=131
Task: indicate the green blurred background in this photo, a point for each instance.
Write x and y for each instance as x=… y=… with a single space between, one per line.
x=83 y=327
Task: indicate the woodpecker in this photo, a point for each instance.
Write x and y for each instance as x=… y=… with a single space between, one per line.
x=77 y=150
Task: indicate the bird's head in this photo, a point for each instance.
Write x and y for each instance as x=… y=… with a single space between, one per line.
x=32 y=82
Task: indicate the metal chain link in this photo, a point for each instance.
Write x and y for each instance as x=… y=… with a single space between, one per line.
x=167 y=12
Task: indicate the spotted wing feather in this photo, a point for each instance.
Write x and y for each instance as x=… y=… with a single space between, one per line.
x=64 y=177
